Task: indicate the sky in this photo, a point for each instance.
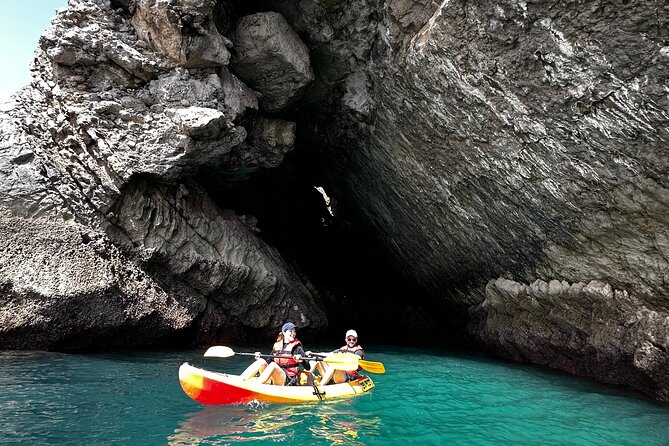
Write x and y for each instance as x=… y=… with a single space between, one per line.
x=21 y=24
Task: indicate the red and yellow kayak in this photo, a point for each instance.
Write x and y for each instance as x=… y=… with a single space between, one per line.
x=220 y=388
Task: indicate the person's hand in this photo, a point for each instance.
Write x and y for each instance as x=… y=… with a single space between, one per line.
x=257 y=355
x=308 y=353
x=297 y=357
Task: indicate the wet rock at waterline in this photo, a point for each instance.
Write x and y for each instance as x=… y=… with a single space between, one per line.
x=589 y=329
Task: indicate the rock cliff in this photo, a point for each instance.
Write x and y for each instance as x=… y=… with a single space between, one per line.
x=106 y=231
x=510 y=158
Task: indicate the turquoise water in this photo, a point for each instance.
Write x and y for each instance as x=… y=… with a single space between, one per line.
x=427 y=397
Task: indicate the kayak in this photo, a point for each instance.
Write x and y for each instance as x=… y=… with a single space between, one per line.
x=221 y=388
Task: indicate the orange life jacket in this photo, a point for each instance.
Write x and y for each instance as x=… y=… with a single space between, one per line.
x=287 y=363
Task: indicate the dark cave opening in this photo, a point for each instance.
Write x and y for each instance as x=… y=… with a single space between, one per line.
x=358 y=286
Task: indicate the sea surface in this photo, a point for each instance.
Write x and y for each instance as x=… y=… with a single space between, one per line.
x=426 y=397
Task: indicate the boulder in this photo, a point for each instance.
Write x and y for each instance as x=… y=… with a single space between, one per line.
x=182 y=30
x=271 y=58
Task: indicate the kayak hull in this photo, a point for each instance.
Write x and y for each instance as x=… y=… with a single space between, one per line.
x=208 y=387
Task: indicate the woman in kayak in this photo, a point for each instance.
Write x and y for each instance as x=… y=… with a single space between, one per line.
x=340 y=376
x=283 y=369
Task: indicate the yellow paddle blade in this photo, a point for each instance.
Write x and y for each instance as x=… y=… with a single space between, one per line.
x=219 y=351
x=372 y=366
x=342 y=361
x=349 y=359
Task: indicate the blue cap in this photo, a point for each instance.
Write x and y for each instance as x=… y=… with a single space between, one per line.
x=288 y=326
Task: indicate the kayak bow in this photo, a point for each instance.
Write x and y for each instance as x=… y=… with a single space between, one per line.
x=220 y=388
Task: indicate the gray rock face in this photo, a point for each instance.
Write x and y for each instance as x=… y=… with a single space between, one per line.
x=271 y=58
x=66 y=287
x=586 y=329
x=517 y=140
x=214 y=252
x=182 y=30
x=105 y=235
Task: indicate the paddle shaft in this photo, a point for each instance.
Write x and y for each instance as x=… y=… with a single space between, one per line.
x=313 y=355
x=346 y=366
x=275 y=356
x=341 y=361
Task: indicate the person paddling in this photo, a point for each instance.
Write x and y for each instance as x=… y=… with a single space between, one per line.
x=340 y=376
x=283 y=369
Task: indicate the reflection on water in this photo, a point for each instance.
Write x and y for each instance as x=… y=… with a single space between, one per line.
x=336 y=423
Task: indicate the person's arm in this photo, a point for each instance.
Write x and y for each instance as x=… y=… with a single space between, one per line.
x=299 y=350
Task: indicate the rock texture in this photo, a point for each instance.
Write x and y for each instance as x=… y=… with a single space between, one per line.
x=109 y=241
x=495 y=147
x=183 y=31
x=588 y=329
x=271 y=58
x=65 y=287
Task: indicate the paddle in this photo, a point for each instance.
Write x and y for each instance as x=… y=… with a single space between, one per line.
x=337 y=360
x=370 y=366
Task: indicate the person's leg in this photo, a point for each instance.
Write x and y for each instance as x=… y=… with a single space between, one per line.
x=320 y=367
x=326 y=375
x=305 y=378
x=317 y=366
x=279 y=376
x=257 y=367
x=339 y=376
x=273 y=372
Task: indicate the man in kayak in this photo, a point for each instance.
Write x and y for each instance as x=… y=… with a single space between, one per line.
x=340 y=376
x=283 y=369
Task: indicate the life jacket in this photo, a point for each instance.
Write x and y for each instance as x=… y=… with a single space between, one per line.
x=287 y=363
x=354 y=374
x=355 y=349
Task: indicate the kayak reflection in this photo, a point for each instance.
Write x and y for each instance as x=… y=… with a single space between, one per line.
x=220 y=425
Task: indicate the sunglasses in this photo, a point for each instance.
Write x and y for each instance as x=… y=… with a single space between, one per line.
x=351 y=339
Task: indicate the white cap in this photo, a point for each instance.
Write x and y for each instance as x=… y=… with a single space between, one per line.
x=351 y=333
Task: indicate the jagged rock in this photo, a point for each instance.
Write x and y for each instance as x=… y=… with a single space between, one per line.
x=63 y=288
x=357 y=94
x=103 y=110
x=214 y=252
x=271 y=58
x=198 y=122
x=270 y=140
x=267 y=144
x=239 y=98
x=182 y=30
x=587 y=329
x=94 y=46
